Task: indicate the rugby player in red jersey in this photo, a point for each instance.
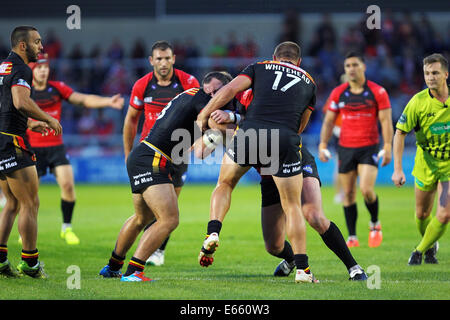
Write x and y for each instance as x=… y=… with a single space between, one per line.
x=362 y=104
x=50 y=150
x=150 y=95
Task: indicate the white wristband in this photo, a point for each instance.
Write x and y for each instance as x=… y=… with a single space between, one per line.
x=231 y=115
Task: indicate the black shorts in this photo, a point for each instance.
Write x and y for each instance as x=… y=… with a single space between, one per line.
x=179 y=174
x=15 y=153
x=146 y=167
x=350 y=158
x=50 y=157
x=275 y=151
x=269 y=191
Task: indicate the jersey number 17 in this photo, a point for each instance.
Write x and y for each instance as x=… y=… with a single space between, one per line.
x=276 y=82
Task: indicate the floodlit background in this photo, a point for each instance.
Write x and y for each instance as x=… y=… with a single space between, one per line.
x=109 y=53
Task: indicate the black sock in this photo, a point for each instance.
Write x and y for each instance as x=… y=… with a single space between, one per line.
x=149 y=225
x=335 y=242
x=351 y=214
x=67 y=210
x=3 y=253
x=373 y=210
x=164 y=244
x=301 y=261
x=30 y=257
x=134 y=265
x=116 y=262
x=287 y=253
x=214 y=226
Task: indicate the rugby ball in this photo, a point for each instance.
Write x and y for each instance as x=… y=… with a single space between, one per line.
x=326 y=153
x=380 y=154
x=212 y=138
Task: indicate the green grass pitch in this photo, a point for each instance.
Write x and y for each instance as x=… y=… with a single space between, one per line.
x=242 y=269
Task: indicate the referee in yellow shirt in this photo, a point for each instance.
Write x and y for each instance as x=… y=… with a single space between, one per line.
x=428 y=113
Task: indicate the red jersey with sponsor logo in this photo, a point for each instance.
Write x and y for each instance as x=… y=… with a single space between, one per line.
x=147 y=95
x=359 y=112
x=50 y=101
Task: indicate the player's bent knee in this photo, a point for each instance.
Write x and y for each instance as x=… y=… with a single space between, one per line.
x=368 y=194
x=291 y=207
x=33 y=202
x=226 y=183
x=314 y=218
x=12 y=204
x=174 y=224
x=171 y=222
x=422 y=212
x=68 y=188
x=350 y=194
x=141 y=221
x=274 y=249
x=29 y=207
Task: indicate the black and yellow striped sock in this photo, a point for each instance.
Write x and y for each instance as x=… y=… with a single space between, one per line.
x=30 y=257
x=116 y=262
x=3 y=253
x=134 y=265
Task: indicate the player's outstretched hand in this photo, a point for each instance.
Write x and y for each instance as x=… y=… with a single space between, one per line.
x=117 y=101
x=399 y=179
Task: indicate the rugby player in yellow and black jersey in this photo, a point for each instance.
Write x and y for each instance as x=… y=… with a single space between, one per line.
x=18 y=176
x=150 y=166
x=283 y=98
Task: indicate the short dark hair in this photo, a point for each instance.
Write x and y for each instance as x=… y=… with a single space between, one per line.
x=289 y=50
x=20 y=34
x=161 y=45
x=436 y=57
x=222 y=76
x=353 y=54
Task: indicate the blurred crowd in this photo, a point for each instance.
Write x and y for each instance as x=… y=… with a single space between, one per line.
x=393 y=57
